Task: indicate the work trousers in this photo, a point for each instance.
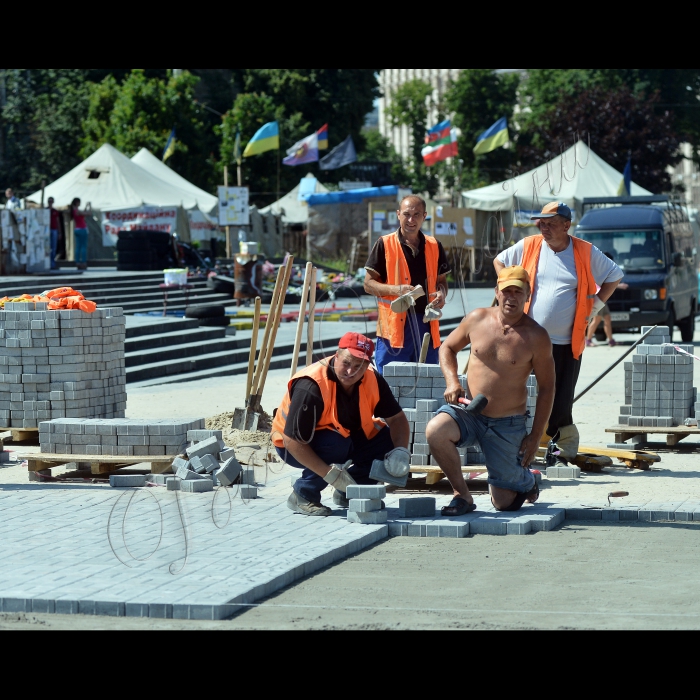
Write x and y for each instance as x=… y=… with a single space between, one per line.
x=414 y=330
x=54 y=247
x=333 y=448
x=81 y=240
x=567 y=370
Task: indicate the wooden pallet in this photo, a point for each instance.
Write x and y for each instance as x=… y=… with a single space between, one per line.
x=673 y=435
x=99 y=464
x=435 y=474
x=21 y=434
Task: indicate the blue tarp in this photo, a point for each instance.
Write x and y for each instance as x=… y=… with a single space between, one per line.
x=352 y=196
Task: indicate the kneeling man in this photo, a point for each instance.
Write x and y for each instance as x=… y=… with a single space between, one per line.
x=331 y=416
x=507 y=345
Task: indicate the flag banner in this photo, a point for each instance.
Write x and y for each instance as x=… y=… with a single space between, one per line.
x=625 y=188
x=323 y=138
x=267 y=138
x=441 y=143
x=304 y=151
x=170 y=146
x=492 y=138
x=343 y=154
x=145 y=218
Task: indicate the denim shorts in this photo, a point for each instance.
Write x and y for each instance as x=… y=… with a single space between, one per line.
x=500 y=440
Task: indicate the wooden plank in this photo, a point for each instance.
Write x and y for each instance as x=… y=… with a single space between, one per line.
x=681 y=429
x=37 y=465
x=105 y=459
x=102 y=468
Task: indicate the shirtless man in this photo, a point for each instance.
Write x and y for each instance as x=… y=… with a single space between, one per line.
x=507 y=345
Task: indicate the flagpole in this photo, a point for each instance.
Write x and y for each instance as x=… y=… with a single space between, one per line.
x=228 y=228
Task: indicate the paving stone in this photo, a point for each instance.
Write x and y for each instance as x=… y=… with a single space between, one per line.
x=120 y=481
x=197 y=486
x=365 y=505
x=248 y=492
x=369 y=491
x=373 y=518
x=173 y=483
x=568 y=472
x=417 y=507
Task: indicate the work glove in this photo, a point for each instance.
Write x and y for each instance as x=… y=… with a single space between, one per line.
x=432 y=313
x=339 y=478
x=398 y=462
x=406 y=301
x=598 y=304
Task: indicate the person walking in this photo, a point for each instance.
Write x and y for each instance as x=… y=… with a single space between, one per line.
x=398 y=264
x=80 y=232
x=564 y=272
x=57 y=228
x=603 y=314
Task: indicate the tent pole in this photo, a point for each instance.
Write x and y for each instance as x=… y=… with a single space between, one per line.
x=228 y=228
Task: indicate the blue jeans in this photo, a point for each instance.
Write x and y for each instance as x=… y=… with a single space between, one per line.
x=500 y=440
x=54 y=247
x=414 y=330
x=81 y=237
x=335 y=449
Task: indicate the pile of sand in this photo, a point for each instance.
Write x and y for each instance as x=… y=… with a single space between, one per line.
x=233 y=438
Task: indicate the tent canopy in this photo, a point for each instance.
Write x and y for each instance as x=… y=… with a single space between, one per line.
x=292 y=210
x=110 y=181
x=352 y=196
x=568 y=178
x=206 y=202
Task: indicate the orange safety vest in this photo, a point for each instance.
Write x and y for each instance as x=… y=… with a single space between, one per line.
x=369 y=398
x=390 y=325
x=586 y=284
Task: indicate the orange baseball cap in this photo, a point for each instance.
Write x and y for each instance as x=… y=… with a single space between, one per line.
x=554 y=209
x=513 y=276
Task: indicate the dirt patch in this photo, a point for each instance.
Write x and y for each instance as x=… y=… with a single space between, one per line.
x=233 y=438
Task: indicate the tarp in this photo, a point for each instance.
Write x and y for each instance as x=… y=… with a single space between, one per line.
x=290 y=208
x=110 y=181
x=568 y=178
x=352 y=196
x=206 y=202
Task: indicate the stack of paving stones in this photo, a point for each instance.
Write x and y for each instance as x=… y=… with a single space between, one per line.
x=659 y=391
x=60 y=364
x=365 y=504
x=420 y=391
x=118 y=437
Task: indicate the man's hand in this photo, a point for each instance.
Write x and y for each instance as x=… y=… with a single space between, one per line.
x=339 y=478
x=453 y=393
x=437 y=299
x=403 y=289
x=528 y=449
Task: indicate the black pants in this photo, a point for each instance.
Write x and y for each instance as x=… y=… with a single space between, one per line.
x=567 y=369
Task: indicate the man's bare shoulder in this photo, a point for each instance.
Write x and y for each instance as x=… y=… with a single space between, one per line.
x=536 y=332
x=477 y=316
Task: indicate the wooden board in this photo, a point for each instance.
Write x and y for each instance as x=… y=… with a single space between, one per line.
x=673 y=435
x=435 y=474
x=22 y=434
x=99 y=464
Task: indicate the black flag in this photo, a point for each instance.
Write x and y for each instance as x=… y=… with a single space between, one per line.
x=342 y=154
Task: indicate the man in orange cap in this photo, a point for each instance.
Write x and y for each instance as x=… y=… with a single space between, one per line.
x=507 y=345
x=338 y=411
x=565 y=272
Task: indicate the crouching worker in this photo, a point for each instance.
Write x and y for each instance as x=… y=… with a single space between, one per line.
x=331 y=418
x=507 y=345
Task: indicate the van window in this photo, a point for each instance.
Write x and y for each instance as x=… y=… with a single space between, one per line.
x=631 y=250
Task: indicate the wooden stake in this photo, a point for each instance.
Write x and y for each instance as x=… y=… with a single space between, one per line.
x=302 y=316
x=253 y=349
x=312 y=315
x=424 y=348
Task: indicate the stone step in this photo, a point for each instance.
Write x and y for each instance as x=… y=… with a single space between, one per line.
x=165 y=327
x=167 y=339
x=173 y=353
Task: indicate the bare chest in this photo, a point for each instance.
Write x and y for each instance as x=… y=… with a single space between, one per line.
x=510 y=348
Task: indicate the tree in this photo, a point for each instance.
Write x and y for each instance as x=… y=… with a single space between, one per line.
x=373 y=147
x=620 y=124
x=477 y=99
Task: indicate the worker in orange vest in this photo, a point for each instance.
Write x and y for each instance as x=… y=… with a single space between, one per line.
x=336 y=412
x=398 y=264
x=565 y=272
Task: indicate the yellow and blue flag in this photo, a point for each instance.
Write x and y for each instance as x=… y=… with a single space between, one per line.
x=625 y=188
x=170 y=146
x=323 y=138
x=267 y=138
x=492 y=138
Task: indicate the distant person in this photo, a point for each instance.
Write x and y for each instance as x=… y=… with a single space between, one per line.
x=80 y=232
x=12 y=201
x=604 y=314
x=57 y=232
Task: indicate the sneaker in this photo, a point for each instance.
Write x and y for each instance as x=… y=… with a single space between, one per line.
x=589 y=343
x=300 y=505
x=612 y=343
x=340 y=499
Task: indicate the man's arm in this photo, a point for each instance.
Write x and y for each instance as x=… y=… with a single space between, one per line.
x=606 y=290
x=543 y=366
x=399 y=429
x=455 y=342
x=498 y=266
x=378 y=289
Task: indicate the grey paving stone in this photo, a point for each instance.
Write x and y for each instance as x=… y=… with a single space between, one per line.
x=417 y=507
x=373 y=518
x=369 y=491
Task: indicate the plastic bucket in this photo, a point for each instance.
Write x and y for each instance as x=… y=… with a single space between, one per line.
x=176 y=276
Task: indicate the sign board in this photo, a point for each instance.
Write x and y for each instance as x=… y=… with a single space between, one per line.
x=234 y=206
x=146 y=218
x=347 y=185
x=454 y=227
x=382 y=220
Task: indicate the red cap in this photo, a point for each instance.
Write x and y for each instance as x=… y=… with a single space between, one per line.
x=357 y=345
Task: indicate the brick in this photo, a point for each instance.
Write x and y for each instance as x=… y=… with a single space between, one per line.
x=365 y=505
x=188 y=475
x=229 y=472
x=453 y=528
x=417 y=507
x=210 y=446
x=378 y=517
x=127 y=481
x=201 y=435
x=197 y=486
x=564 y=472
x=173 y=483
x=248 y=492
x=366 y=491
x=197 y=465
x=226 y=454
x=248 y=476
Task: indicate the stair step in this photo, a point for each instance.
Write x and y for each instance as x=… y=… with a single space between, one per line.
x=166 y=340
x=164 y=327
x=196 y=350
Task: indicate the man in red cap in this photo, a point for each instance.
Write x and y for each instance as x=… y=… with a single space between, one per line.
x=338 y=412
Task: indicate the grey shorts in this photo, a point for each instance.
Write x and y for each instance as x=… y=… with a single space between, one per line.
x=500 y=440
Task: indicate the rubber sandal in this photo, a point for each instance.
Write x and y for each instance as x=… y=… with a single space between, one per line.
x=458 y=506
x=534 y=493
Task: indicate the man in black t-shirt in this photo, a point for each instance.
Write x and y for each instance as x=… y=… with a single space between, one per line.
x=330 y=416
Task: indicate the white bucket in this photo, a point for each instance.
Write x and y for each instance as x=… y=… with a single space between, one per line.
x=176 y=276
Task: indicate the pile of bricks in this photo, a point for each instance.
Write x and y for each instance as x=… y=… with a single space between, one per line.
x=659 y=391
x=420 y=390
x=365 y=504
x=119 y=437
x=60 y=364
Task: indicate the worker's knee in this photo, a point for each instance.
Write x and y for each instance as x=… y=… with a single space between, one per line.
x=442 y=429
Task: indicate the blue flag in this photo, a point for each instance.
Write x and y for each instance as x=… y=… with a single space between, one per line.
x=625 y=188
x=342 y=154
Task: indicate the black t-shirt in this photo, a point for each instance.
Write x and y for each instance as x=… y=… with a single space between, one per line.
x=416 y=266
x=307 y=407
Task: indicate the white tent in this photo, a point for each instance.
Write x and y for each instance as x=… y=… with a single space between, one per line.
x=576 y=174
x=111 y=182
x=293 y=210
x=206 y=202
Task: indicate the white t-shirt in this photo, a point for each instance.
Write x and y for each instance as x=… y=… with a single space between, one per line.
x=554 y=297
